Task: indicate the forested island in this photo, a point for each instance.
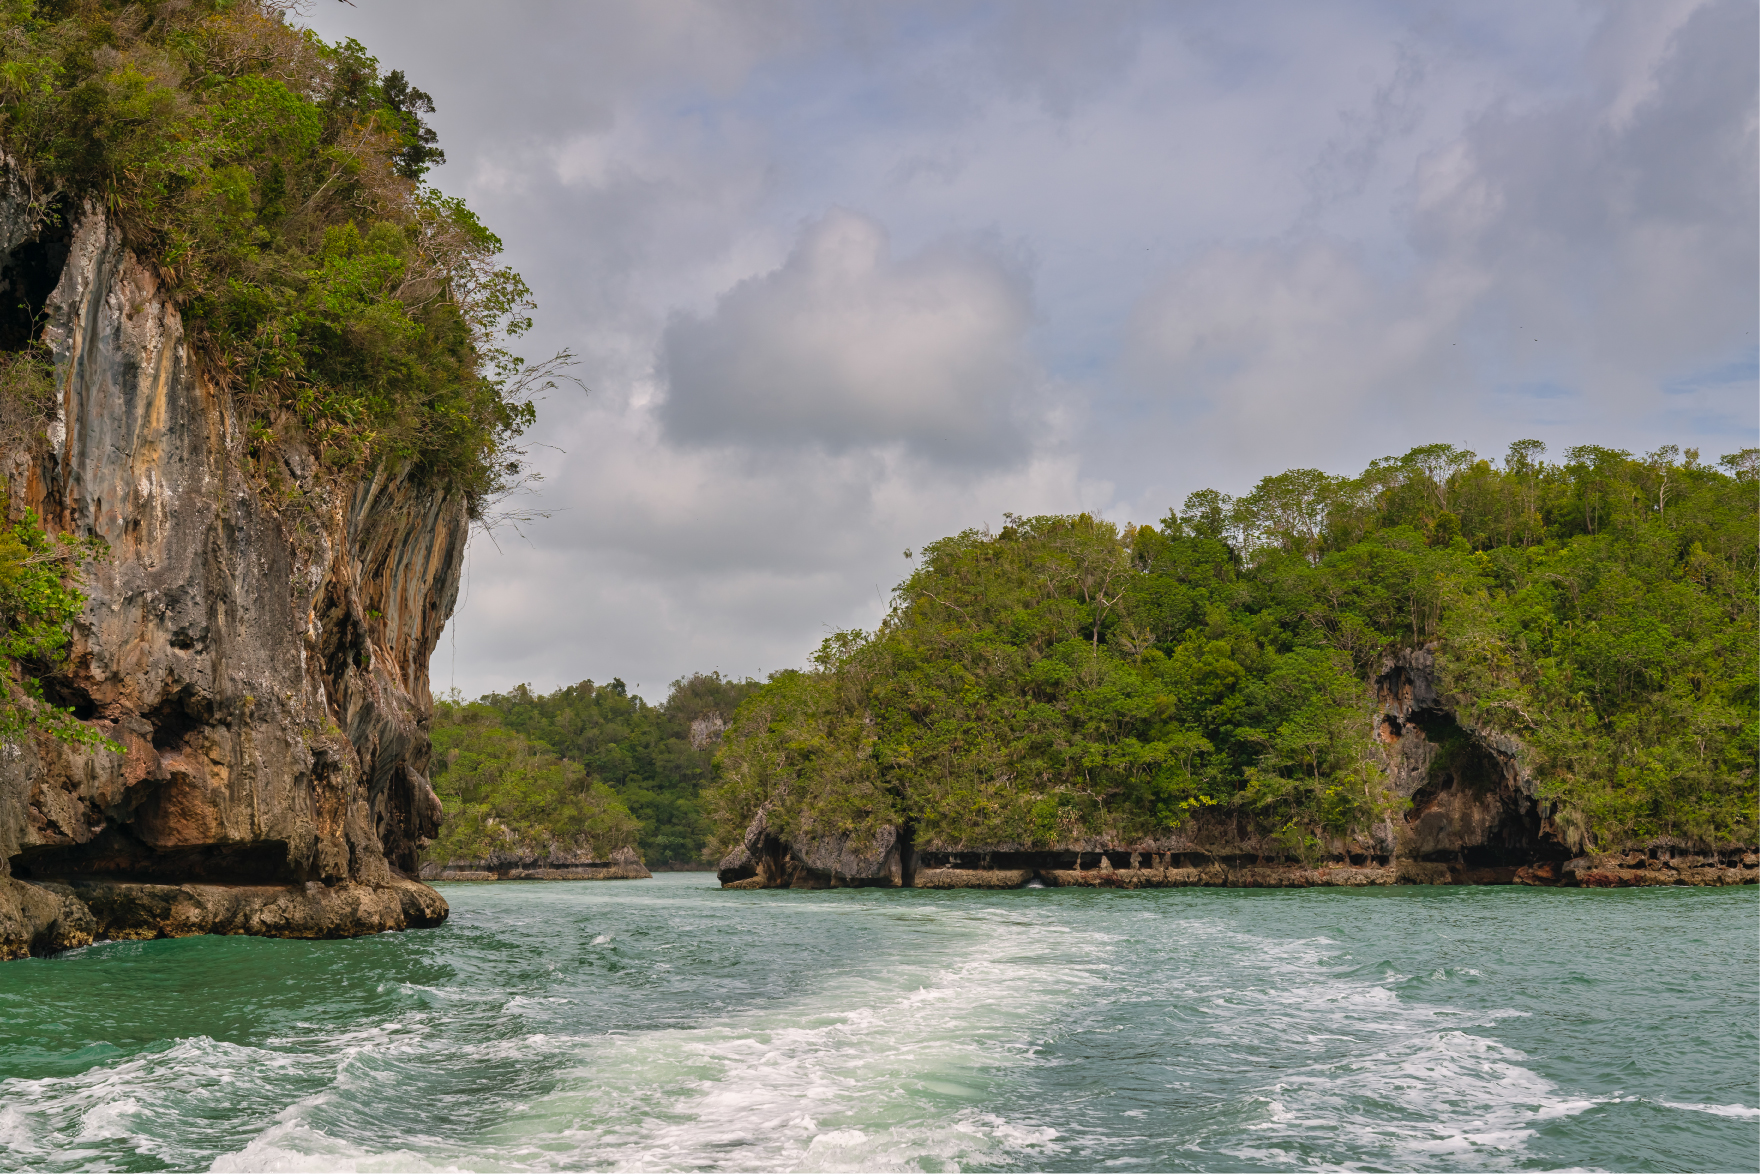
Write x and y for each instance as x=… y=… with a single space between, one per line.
x=556 y=785
x=1440 y=668
x=1443 y=668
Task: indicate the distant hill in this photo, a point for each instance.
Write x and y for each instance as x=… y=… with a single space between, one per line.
x=586 y=761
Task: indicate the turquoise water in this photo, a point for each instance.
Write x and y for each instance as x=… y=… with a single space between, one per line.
x=667 y=1025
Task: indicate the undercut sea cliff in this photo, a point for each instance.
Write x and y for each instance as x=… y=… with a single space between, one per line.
x=262 y=664
x=256 y=388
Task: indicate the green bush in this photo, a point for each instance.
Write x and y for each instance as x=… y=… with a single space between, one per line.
x=39 y=601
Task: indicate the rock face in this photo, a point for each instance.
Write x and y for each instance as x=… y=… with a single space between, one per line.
x=765 y=860
x=1473 y=817
x=1472 y=803
x=257 y=638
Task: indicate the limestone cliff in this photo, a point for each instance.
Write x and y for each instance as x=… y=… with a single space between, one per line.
x=1471 y=815
x=258 y=639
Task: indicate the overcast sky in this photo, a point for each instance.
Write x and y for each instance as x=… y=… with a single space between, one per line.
x=845 y=278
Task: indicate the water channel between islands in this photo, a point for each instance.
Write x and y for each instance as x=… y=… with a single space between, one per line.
x=664 y=1024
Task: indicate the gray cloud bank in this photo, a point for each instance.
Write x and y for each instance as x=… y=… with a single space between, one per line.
x=847 y=277
x=846 y=347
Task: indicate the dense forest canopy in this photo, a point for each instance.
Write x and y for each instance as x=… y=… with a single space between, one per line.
x=275 y=183
x=1064 y=677
x=586 y=759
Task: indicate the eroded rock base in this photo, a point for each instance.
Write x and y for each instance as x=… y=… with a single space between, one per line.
x=558 y=864
x=1630 y=870
x=466 y=872
x=972 y=878
x=45 y=917
x=1589 y=872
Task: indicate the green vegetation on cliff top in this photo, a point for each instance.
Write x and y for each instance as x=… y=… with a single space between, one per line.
x=1065 y=678
x=585 y=760
x=274 y=183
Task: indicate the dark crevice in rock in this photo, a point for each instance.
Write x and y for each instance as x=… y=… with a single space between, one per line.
x=117 y=855
x=175 y=718
x=343 y=646
x=67 y=693
x=28 y=275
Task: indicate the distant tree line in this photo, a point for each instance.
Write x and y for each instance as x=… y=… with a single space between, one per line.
x=586 y=759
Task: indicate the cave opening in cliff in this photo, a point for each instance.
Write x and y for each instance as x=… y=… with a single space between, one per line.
x=28 y=275
x=1460 y=757
x=174 y=719
x=63 y=692
x=1469 y=780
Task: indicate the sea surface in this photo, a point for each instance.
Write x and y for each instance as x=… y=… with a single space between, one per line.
x=667 y=1025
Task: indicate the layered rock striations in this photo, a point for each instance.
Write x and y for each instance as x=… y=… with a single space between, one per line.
x=1471 y=815
x=257 y=638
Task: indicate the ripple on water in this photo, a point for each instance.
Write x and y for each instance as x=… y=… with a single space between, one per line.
x=879 y=1066
x=848 y=1030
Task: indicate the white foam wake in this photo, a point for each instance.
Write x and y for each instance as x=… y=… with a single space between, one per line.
x=1348 y=1065
x=891 y=1063
x=1743 y=1111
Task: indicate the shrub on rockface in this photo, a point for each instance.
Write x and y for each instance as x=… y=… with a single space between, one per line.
x=39 y=574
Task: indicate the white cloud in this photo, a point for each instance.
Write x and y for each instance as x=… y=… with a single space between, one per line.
x=1564 y=265
x=1282 y=355
x=666 y=560
x=846 y=347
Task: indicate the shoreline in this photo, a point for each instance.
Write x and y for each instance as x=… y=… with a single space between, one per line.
x=1629 y=870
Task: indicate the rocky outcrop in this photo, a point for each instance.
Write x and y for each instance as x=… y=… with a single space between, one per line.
x=97 y=910
x=1471 y=816
x=766 y=860
x=972 y=878
x=1471 y=799
x=257 y=638
x=553 y=862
